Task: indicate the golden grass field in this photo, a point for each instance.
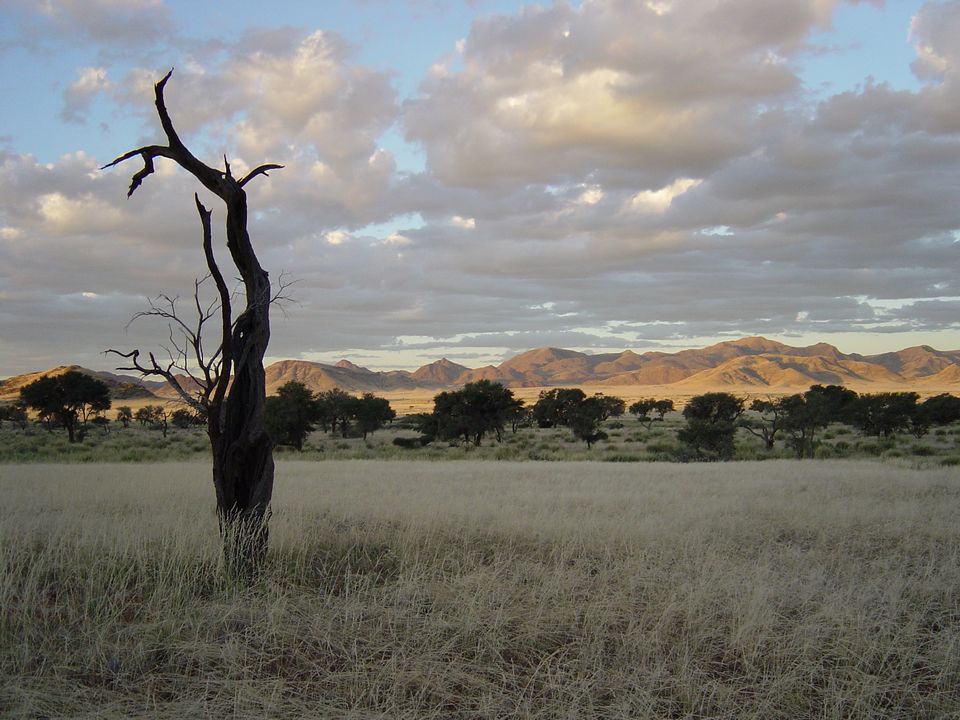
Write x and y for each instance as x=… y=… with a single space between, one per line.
x=776 y=589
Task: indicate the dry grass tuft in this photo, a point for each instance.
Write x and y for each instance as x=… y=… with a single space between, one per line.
x=485 y=590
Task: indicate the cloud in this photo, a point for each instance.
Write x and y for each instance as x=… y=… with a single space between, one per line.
x=465 y=223
x=607 y=90
x=124 y=24
x=590 y=182
x=661 y=199
x=78 y=96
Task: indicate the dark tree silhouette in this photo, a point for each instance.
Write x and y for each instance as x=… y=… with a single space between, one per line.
x=291 y=414
x=803 y=415
x=125 y=415
x=662 y=407
x=610 y=406
x=478 y=408
x=371 y=413
x=642 y=409
x=940 y=409
x=69 y=399
x=554 y=407
x=884 y=414
x=769 y=422
x=336 y=408
x=230 y=384
x=711 y=425
x=16 y=414
x=585 y=419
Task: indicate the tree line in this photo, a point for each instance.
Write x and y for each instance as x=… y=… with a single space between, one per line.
x=484 y=409
x=294 y=412
x=711 y=420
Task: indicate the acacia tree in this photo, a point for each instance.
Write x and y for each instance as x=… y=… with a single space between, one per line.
x=291 y=414
x=372 y=413
x=642 y=408
x=772 y=413
x=711 y=425
x=554 y=407
x=229 y=384
x=68 y=399
x=125 y=415
x=585 y=420
x=471 y=412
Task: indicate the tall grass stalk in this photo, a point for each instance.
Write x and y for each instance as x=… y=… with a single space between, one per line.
x=490 y=590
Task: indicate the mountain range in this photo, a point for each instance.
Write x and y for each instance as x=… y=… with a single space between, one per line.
x=752 y=363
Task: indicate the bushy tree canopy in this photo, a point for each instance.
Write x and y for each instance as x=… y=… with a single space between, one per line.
x=585 y=419
x=883 y=414
x=480 y=407
x=371 y=413
x=711 y=425
x=554 y=407
x=68 y=398
x=289 y=416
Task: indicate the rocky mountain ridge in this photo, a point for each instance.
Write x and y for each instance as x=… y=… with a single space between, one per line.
x=750 y=363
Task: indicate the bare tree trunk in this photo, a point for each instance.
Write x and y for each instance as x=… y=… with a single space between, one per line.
x=243 y=469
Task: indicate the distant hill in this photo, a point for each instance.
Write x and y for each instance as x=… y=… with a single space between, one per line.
x=751 y=363
x=442 y=372
x=122 y=387
x=344 y=375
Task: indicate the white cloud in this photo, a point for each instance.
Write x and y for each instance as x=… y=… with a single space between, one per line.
x=615 y=186
x=83 y=214
x=591 y=196
x=625 y=98
x=336 y=237
x=396 y=238
x=660 y=200
x=464 y=222
x=78 y=96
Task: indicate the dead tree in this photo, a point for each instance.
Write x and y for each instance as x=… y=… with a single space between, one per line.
x=230 y=389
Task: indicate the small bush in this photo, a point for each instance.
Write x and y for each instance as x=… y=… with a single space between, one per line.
x=621 y=457
x=870 y=448
x=408 y=443
x=823 y=452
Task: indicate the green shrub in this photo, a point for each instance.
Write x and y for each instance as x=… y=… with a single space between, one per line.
x=621 y=457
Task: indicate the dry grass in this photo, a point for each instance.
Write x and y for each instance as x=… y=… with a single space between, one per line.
x=487 y=590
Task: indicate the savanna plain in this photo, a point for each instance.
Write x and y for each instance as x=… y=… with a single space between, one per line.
x=483 y=589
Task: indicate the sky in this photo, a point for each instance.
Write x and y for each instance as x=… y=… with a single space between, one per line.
x=474 y=179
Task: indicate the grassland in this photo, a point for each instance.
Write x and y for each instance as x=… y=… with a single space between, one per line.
x=628 y=441
x=463 y=589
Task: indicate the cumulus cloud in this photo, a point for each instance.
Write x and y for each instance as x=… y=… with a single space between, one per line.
x=607 y=89
x=590 y=182
x=78 y=96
